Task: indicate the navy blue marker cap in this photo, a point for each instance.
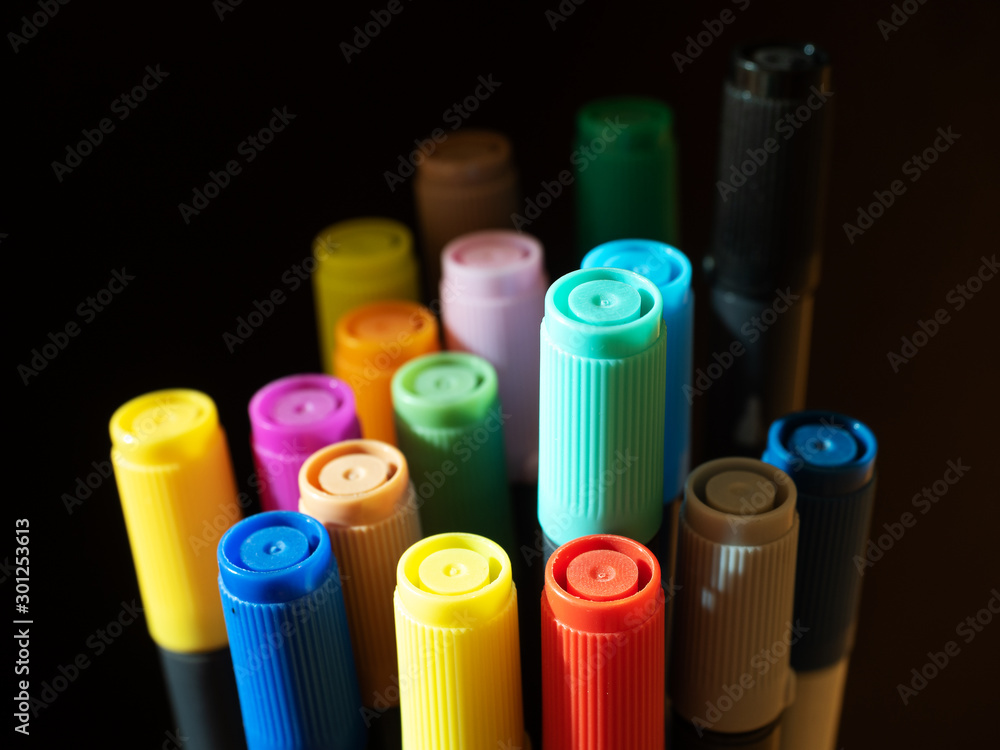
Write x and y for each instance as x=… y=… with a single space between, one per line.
x=825 y=453
x=831 y=459
x=288 y=634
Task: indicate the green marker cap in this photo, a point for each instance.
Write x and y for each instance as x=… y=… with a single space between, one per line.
x=450 y=427
x=626 y=168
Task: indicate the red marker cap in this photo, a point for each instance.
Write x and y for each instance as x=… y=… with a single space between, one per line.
x=602 y=646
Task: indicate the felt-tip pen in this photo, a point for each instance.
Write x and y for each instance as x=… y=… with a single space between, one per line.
x=831 y=458
x=763 y=263
x=177 y=489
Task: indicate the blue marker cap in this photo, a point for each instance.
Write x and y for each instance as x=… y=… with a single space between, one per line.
x=825 y=453
x=287 y=626
x=670 y=270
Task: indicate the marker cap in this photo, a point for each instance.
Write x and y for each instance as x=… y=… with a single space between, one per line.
x=492 y=302
x=176 y=484
x=601 y=406
x=288 y=633
x=451 y=428
x=736 y=578
x=831 y=458
x=772 y=169
x=468 y=182
x=290 y=419
x=373 y=341
x=670 y=270
x=359 y=261
x=602 y=646
x=628 y=186
x=360 y=490
x=457 y=644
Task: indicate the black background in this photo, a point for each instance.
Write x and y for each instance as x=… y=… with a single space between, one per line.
x=352 y=122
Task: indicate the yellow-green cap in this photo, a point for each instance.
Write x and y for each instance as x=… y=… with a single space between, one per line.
x=356 y=262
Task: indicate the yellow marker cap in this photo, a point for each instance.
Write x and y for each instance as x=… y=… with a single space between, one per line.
x=360 y=491
x=457 y=645
x=178 y=494
x=360 y=261
x=372 y=342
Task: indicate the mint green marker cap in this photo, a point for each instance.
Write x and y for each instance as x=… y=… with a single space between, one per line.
x=601 y=419
x=450 y=428
x=626 y=168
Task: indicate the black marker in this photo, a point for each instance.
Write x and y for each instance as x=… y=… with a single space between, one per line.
x=764 y=259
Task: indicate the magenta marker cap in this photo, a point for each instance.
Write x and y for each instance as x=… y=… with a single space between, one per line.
x=493 y=287
x=290 y=419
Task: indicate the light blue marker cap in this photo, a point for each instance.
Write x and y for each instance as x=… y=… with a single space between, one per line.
x=670 y=270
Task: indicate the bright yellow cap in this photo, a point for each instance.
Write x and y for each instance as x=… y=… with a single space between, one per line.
x=457 y=645
x=372 y=342
x=178 y=494
x=359 y=261
x=361 y=491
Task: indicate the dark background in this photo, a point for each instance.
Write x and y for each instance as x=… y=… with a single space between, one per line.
x=352 y=122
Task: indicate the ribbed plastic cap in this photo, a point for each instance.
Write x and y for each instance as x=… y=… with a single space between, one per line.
x=274 y=557
x=733 y=615
x=779 y=70
x=164 y=426
x=826 y=453
x=353 y=483
x=603 y=583
x=493 y=264
x=176 y=484
x=648 y=123
x=603 y=646
x=448 y=389
x=626 y=169
x=373 y=341
x=300 y=414
x=468 y=157
x=670 y=270
x=603 y=313
x=666 y=266
x=447 y=579
x=363 y=250
x=772 y=169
